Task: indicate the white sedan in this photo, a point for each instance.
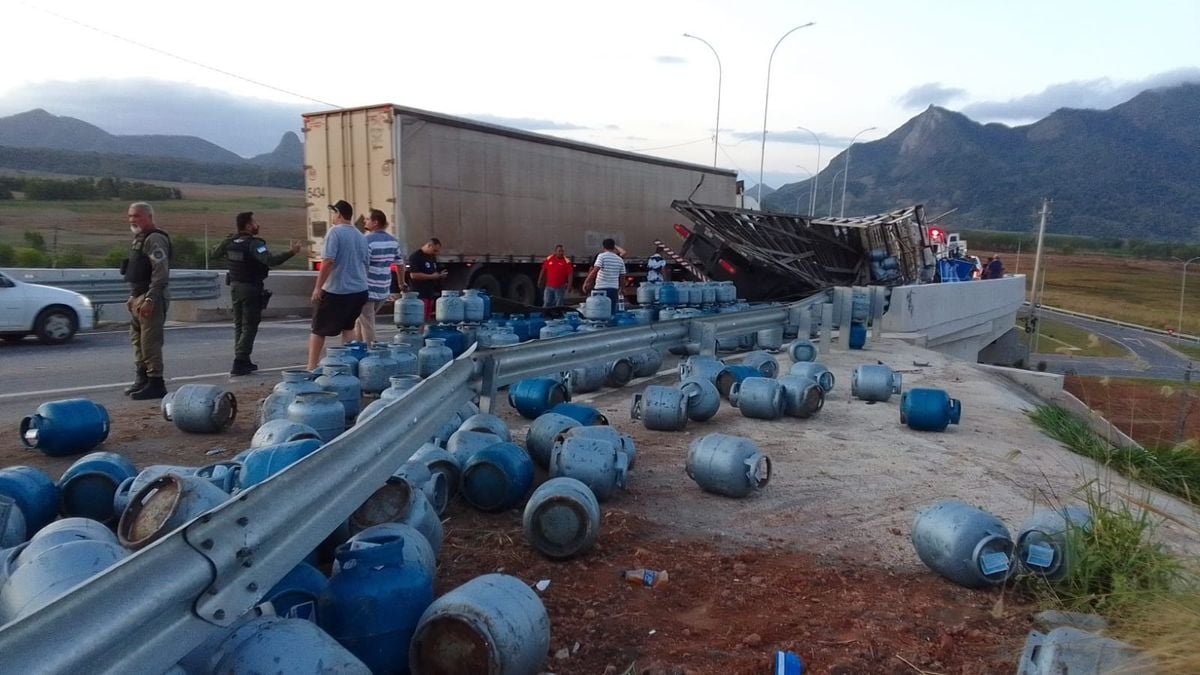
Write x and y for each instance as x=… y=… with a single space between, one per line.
x=54 y=315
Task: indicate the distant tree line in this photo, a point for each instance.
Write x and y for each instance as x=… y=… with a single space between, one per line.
x=151 y=168
x=991 y=240
x=186 y=253
x=52 y=189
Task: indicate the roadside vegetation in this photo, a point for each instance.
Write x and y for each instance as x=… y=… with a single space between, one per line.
x=1063 y=338
x=1117 y=569
x=1175 y=470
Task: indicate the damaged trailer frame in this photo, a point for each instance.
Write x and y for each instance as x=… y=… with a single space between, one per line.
x=774 y=256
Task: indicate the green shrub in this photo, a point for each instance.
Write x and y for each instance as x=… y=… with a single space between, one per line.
x=28 y=257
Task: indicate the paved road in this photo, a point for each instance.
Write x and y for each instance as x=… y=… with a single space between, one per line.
x=98 y=365
x=1149 y=356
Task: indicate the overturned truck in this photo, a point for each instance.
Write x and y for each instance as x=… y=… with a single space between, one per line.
x=776 y=256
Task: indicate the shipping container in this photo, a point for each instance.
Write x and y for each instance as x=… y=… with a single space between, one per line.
x=499 y=199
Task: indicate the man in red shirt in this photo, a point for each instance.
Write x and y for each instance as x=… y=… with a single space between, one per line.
x=555 y=278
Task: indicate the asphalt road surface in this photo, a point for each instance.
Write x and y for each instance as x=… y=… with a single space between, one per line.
x=99 y=365
x=1149 y=356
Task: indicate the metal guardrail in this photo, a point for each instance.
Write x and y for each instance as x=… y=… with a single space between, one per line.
x=1118 y=322
x=106 y=287
x=152 y=608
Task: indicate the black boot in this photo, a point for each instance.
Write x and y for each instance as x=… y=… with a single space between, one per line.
x=253 y=366
x=241 y=367
x=139 y=381
x=155 y=388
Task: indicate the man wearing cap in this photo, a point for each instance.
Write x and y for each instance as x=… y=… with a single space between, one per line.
x=147 y=269
x=249 y=263
x=341 y=288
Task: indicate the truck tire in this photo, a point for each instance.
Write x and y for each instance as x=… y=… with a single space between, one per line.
x=522 y=289
x=488 y=284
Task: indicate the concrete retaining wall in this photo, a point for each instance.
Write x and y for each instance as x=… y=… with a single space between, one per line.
x=957 y=319
x=292 y=292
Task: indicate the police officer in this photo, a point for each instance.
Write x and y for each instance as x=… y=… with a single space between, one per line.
x=147 y=269
x=248 y=261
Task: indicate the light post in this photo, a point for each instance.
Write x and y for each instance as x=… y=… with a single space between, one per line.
x=846 y=168
x=812 y=201
x=1182 y=288
x=833 y=190
x=810 y=175
x=762 y=156
x=717 y=124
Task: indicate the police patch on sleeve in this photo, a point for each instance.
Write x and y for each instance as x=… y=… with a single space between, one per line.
x=262 y=248
x=158 y=255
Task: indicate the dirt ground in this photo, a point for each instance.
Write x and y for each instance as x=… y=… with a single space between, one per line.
x=818 y=562
x=1149 y=412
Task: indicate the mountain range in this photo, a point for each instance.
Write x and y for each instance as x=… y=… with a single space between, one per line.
x=1132 y=171
x=40 y=129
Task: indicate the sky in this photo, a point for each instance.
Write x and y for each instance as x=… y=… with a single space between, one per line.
x=619 y=73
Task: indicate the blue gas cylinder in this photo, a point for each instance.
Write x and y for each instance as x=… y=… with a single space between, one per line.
x=929 y=409
x=376 y=596
x=497 y=478
x=67 y=427
x=34 y=493
x=584 y=414
x=858 y=335
x=535 y=396
x=455 y=340
x=297 y=593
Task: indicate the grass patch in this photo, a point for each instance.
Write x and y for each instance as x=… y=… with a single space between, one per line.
x=1115 y=569
x=1191 y=349
x=1113 y=564
x=1063 y=338
x=1175 y=469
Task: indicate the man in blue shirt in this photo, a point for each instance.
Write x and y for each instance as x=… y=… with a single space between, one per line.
x=341 y=288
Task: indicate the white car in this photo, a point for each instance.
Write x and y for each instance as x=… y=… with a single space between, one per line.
x=54 y=315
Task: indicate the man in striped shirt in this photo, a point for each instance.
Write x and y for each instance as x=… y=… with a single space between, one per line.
x=385 y=251
x=607 y=274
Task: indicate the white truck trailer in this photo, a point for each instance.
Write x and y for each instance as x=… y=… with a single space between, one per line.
x=499 y=199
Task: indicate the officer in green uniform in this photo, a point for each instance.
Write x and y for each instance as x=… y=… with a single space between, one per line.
x=147 y=269
x=249 y=263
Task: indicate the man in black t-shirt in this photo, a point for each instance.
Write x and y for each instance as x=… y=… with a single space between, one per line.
x=424 y=275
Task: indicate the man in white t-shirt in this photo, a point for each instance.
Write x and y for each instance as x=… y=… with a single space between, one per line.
x=607 y=274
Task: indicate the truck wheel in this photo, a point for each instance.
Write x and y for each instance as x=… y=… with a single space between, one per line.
x=488 y=284
x=522 y=289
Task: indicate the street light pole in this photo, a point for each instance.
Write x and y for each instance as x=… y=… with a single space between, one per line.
x=717 y=124
x=812 y=200
x=846 y=168
x=1182 y=288
x=833 y=190
x=762 y=156
x=810 y=175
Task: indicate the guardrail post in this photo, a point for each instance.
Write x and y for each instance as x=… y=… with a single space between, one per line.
x=827 y=326
x=704 y=335
x=877 y=300
x=487 y=386
x=803 y=321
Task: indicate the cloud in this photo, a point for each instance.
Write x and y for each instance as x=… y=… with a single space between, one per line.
x=793 y=136
x=1102 y=93
x=930 y=93
x=670 y=60
x=526 y=123
x=612 y=127
x=247 y=126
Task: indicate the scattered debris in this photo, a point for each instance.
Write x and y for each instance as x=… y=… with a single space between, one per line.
x=542 y=585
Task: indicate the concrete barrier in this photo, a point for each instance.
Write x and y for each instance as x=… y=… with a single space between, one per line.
x=957 y=319
x=292 y=292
